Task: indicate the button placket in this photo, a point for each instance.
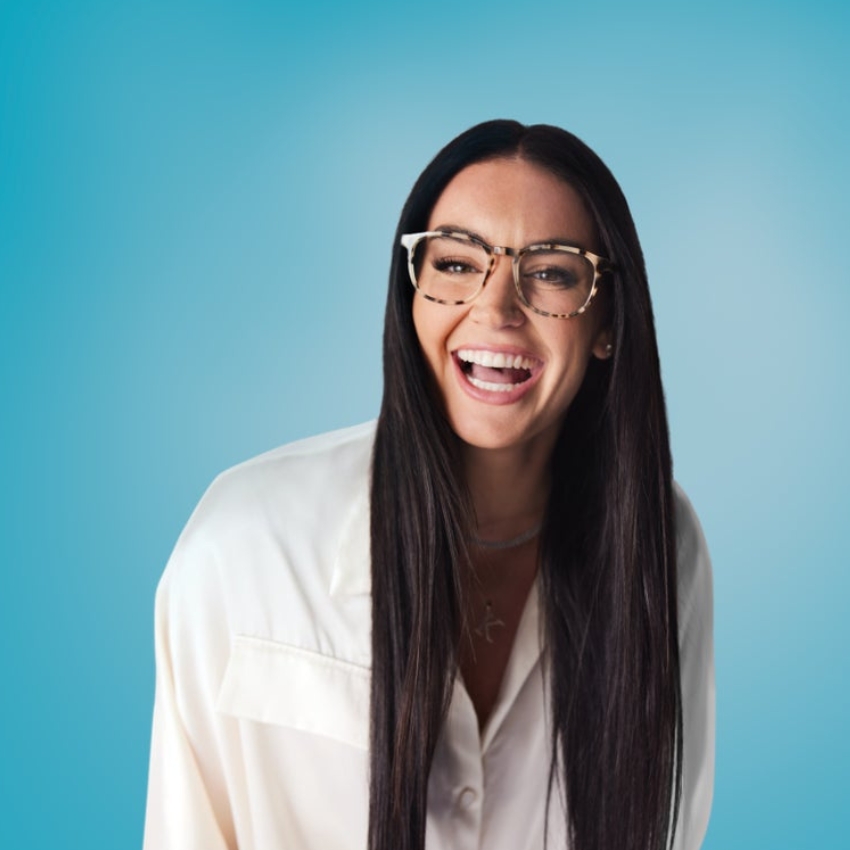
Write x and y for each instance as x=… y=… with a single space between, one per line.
x=466 y=781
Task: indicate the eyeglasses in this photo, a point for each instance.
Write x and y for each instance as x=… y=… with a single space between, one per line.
x=451 y=267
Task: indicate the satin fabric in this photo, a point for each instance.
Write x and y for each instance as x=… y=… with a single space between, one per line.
x=261 y=717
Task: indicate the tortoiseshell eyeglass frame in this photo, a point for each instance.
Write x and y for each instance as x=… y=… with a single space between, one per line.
x=601 y=266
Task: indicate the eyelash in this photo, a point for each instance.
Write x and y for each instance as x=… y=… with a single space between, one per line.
x=445 y=263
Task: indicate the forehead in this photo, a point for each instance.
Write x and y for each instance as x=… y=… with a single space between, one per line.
x=513 y=203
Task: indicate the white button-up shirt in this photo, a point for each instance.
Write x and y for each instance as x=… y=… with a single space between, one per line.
x=261 y=719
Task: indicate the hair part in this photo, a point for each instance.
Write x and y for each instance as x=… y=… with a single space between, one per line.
x=608 y=574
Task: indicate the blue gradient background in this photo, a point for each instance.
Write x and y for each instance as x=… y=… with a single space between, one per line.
x=196 y=208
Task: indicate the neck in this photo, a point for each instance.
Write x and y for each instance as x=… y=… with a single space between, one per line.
x=509 y=488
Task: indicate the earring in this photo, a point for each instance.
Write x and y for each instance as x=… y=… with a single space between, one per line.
x=609 y=350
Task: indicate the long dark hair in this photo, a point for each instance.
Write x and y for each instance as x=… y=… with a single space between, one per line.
x=608 y=574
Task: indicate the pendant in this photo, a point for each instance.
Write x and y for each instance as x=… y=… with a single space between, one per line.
x=488 y=621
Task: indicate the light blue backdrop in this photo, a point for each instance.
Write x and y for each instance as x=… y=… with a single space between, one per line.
x=196 y=208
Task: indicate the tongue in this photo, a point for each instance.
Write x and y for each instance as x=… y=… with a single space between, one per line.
x=499 y=376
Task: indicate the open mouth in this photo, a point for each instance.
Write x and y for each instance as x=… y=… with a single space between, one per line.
x=495 y=371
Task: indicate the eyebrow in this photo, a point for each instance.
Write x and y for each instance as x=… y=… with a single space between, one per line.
x=456 y=228
x=554 y=240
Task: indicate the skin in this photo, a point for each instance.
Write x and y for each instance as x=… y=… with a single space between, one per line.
x=507 y=444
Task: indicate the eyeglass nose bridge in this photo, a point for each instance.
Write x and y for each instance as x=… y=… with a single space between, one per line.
x=502 y=251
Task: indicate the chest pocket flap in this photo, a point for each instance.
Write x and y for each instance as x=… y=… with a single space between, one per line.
x=276 y=683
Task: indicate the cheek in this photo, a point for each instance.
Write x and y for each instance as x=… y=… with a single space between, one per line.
x=577 y=339
x=432 y=329
x=574 y=351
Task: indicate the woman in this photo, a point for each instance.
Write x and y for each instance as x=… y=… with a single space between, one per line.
x=486 y=621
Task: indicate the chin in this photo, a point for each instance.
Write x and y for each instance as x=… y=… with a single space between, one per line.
x=501 y=436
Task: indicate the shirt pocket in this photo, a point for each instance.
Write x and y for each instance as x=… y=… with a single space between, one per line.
x=276 y=683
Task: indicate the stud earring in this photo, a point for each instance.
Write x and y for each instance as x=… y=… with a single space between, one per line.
x=609 y=349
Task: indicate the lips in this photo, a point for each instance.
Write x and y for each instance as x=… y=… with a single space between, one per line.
x=504 y=374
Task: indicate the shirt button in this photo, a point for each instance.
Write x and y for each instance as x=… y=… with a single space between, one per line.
x=467 y=797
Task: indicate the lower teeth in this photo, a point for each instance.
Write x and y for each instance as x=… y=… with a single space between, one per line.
x=491 y=387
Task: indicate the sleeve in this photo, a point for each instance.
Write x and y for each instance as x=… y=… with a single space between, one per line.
x=696 y=641
x=181 y=806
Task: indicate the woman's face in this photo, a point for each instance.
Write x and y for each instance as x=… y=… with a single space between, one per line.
x=510 y=203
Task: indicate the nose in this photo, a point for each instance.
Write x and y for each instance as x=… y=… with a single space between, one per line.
x=497 y=305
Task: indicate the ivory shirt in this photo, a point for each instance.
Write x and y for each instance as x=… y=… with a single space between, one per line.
x=261 y=717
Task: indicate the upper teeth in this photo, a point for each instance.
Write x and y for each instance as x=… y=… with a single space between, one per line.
x=495 y=359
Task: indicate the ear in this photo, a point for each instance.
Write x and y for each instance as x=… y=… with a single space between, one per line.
x=603 y=344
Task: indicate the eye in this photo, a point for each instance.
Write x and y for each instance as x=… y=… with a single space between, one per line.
x=455 y=266
x=555 y=271
x=556 y=277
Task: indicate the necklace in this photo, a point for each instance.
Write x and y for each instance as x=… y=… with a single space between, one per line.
x=489 y=620
x=508 y=544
